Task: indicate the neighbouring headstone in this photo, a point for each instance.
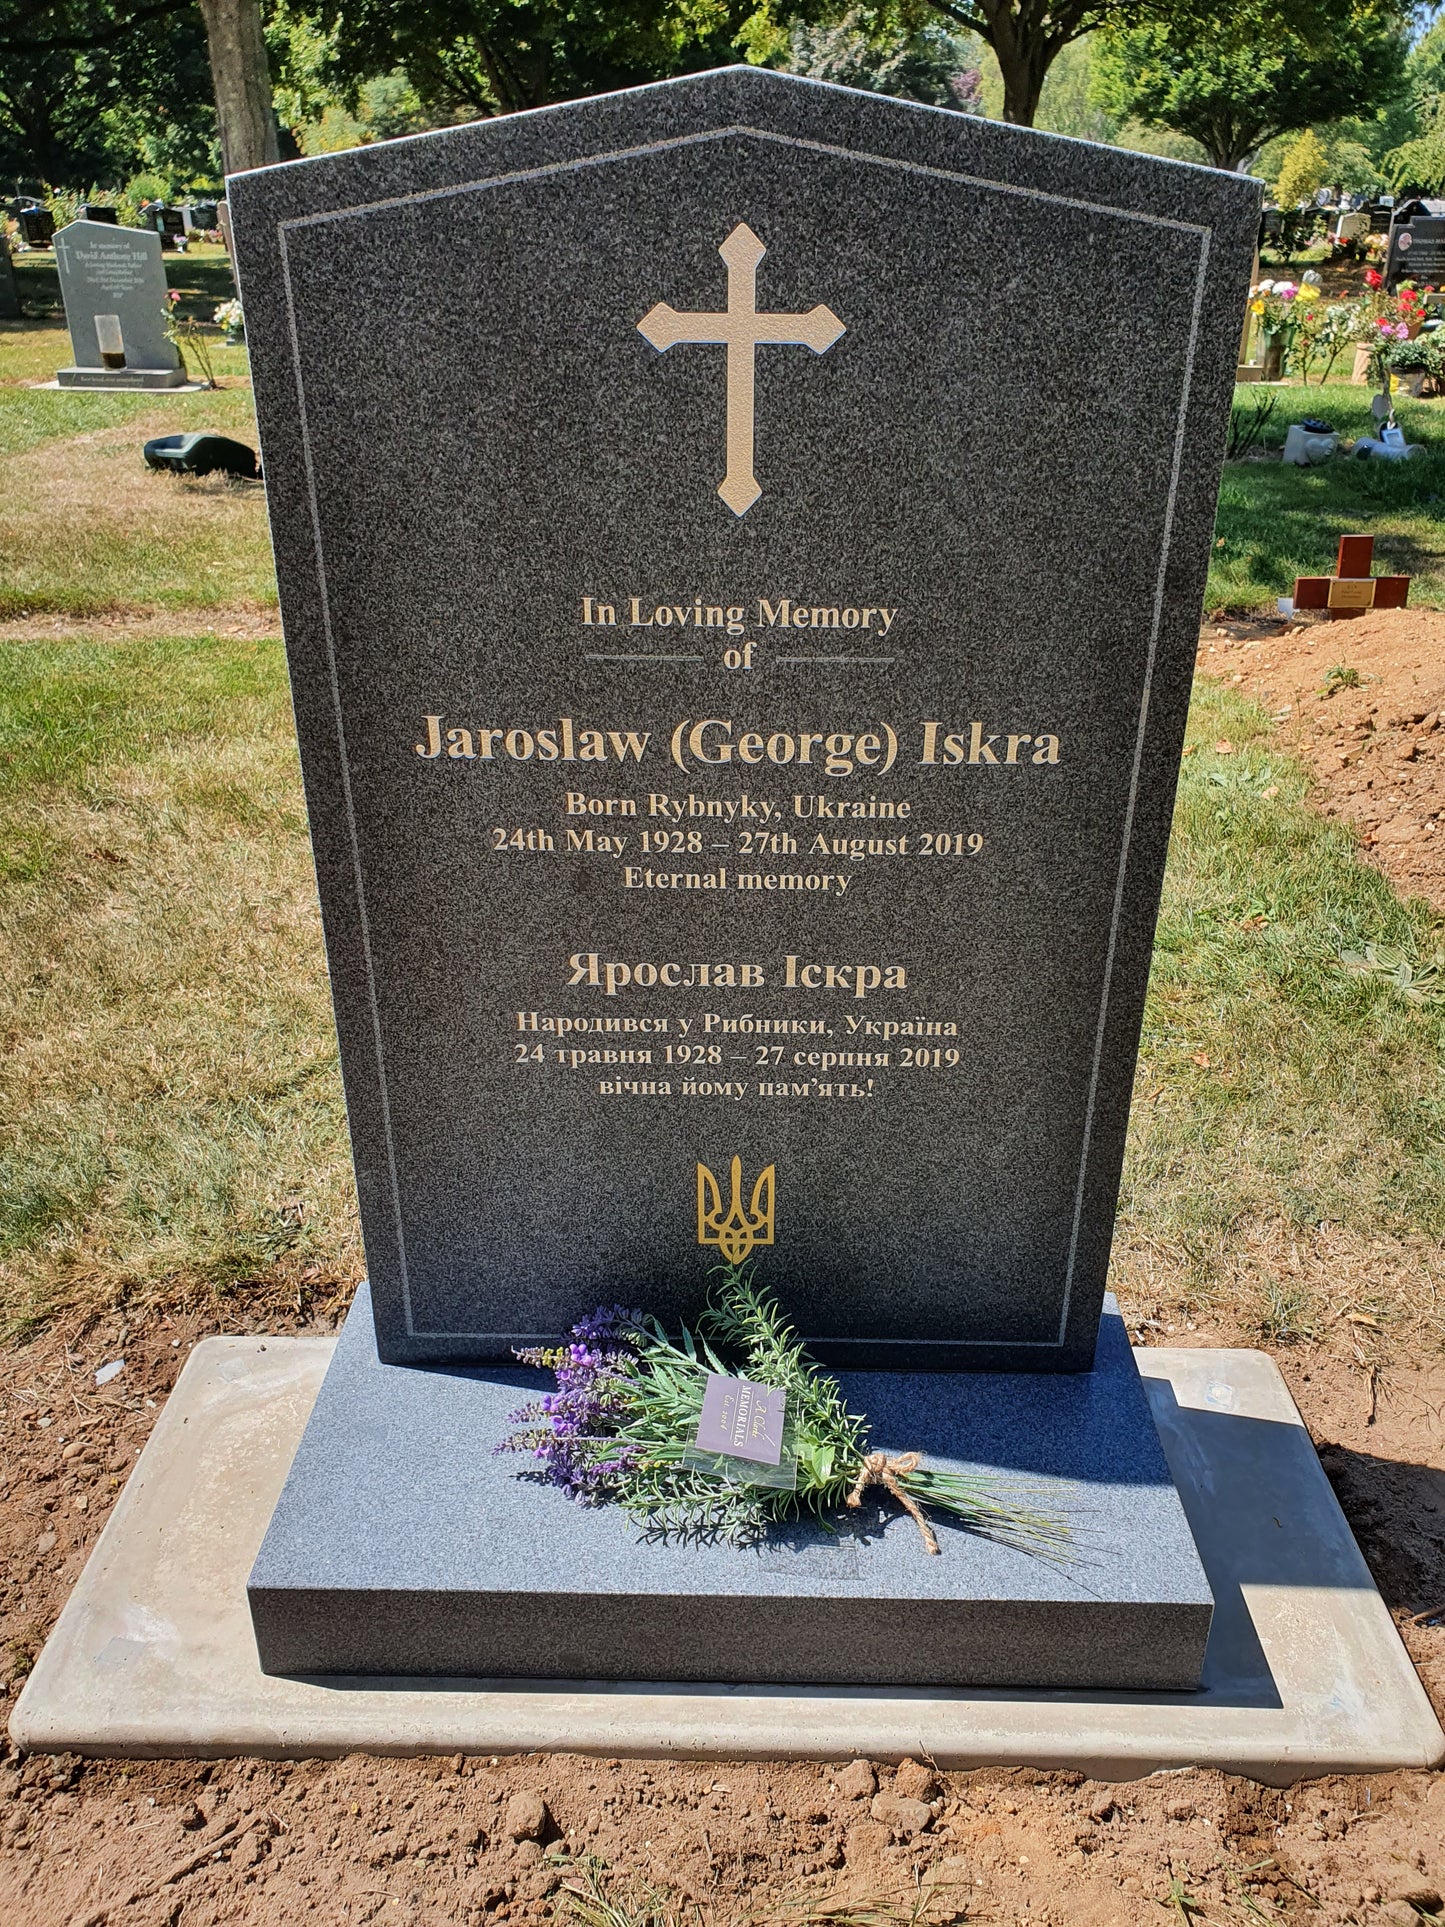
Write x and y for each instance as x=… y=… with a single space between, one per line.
x=10 y=308
x=112 y=279
x=98 y=211
x=1417 y=252
x=741 y=626
x=37 y=226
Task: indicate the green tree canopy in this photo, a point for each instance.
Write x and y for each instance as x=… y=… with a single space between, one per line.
x=92 y=91
x=1234 y=82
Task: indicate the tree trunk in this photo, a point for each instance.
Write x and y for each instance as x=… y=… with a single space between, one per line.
x=1023 y=69
x=241 y=76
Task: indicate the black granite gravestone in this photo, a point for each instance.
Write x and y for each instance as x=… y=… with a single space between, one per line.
x=741 y=601
x=1416 y=252
x=10 y=308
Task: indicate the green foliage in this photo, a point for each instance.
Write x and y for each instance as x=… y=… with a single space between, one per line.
x=1263 y=73
x=496 y=56
x=1304 y=170
x=912 y=62
x=89 y=95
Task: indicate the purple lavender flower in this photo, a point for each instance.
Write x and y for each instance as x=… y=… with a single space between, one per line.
x=580 y=1417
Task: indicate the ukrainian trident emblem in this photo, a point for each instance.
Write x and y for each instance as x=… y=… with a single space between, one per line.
x=734 y=1231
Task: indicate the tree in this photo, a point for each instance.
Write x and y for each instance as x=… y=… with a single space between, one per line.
x=87 y=97
x=496 y=56
x=100 y=44
x=1416 y=158
x=1027 y=37
x=1304 y=171
x=242 y=78
x=1232 y=85
x=926 y=63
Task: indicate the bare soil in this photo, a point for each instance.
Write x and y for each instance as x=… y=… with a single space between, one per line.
x=1374 y=735
x=265 y=1843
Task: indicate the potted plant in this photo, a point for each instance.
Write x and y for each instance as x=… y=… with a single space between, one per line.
x=1413 y=362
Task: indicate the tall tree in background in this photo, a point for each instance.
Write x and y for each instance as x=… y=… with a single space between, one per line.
x=1235 y=81
x=242 y=77
x=92 y=56
x=89 y=96
x=1027 y=37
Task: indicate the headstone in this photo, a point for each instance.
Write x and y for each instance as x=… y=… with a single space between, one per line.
x=37 y=226
x=741 y=654
x=1417 y=252
x=96 y=211
x=115 y=271
x=201 y=215
x=10 y=308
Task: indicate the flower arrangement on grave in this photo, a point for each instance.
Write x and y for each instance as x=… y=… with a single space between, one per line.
x=622 y=1428
x=230 y=317
x=1325 y=329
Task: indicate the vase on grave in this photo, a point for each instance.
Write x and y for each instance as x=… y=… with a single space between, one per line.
x=1360 y=372
x=1273 y=357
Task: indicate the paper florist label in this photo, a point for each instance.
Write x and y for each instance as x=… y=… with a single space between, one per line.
x=742 y=1420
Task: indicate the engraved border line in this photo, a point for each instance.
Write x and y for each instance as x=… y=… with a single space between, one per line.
x=365 y=920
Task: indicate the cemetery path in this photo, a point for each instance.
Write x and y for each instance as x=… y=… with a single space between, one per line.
x=1363 y=702
x=448 y=1842
x=251 y=622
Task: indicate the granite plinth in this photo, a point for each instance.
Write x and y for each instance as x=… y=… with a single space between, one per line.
x=402 y=1544
x=154 y=1655
x=122 y=378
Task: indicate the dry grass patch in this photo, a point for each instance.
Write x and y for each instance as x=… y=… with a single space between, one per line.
x=86 y=528
x=171 y=1120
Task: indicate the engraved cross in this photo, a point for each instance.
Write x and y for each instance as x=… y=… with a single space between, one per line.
x=741 y=330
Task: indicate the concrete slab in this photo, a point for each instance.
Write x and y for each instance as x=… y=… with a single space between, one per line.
x=153 y=1655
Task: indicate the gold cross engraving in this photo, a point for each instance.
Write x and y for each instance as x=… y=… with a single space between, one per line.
x=737 y=1229
x=741 y=330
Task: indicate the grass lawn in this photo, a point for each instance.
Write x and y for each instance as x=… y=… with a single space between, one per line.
x=86 y=528
x=1275 y=523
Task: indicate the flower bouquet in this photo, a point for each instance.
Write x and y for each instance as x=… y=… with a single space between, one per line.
x=625 y=1427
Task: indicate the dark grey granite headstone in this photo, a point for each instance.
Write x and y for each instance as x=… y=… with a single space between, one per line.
x=1416 y=252
x=117 y=271
x=10 y=309
x=463 y=1568
x=725 y=752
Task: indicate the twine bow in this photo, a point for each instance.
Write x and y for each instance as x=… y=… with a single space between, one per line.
x=879 y=1469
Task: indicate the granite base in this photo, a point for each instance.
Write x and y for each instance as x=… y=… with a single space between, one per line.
x=124 y=378
x=402 y=1544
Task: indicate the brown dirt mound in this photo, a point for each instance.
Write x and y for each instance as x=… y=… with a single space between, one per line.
x=1363 y=702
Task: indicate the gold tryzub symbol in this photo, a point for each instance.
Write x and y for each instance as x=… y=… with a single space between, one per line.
x=736 y=1232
